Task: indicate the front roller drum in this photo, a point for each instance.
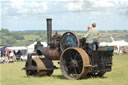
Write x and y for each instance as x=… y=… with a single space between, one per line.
x=39 y=68
x=74 y=63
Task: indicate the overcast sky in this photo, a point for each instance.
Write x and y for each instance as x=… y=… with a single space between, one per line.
x=19 y=15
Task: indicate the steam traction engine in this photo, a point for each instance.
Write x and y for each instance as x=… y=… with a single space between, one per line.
x=76 y=61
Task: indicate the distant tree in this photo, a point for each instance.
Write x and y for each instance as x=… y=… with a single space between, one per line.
x=20 y=38
x=10 y=40
x=4 y=31
x=37 y=39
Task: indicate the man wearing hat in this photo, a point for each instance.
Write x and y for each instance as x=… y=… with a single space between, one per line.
x=92 y=37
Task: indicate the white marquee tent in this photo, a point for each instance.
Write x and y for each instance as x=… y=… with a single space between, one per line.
x=16 y=48
x=116 y=44
x=30 y=48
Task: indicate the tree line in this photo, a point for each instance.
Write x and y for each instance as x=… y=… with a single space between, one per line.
x=24 y=38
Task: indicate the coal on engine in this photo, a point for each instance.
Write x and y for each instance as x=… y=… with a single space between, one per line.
x=76 y=61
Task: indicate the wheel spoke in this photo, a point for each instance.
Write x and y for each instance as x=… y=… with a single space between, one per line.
x=67 y=63
x=70 y=69
x=79 y=61
x=76 y=55
x=78 y=70
x=69 y=66
x=75 y=74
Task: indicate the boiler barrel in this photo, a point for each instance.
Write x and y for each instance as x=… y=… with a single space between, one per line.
x=50 y=53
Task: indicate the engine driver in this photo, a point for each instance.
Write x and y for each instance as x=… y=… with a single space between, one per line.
x=92 y=38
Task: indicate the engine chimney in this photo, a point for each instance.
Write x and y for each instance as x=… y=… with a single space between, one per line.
x=49 y=30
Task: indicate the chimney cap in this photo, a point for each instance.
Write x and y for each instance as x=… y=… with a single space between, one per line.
x=49 y=18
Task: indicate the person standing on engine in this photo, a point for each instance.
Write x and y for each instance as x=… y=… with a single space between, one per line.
x=92 y=37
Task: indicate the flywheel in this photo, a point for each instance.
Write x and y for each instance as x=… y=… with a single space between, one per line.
x=74 y=63
x=68 y=39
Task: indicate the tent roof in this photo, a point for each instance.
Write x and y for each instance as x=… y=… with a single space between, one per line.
x=114 y=43
x=17 y=48
x=2 y=48
x=33 y=44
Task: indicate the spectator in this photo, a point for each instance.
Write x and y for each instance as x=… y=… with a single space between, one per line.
x=11 y=57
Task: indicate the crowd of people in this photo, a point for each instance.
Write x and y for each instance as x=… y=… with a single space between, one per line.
x=8 y=57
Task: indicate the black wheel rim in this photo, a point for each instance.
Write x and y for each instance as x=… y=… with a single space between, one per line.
x=72 y=64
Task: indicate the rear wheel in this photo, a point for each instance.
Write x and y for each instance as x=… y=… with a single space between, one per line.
x=73 y=63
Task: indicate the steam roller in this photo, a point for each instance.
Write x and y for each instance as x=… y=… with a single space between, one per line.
x=75 y=59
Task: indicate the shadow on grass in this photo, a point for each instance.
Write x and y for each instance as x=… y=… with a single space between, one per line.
x=29 y=76
x=33 y=76
x=101 y=77
x=62 y=77
x=59 y=76
x=52 y=76
x=88 y=77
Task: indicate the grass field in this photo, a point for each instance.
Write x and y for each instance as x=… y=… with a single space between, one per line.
x=11 y=74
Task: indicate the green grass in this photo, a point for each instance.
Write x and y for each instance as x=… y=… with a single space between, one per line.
x=11 y=74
